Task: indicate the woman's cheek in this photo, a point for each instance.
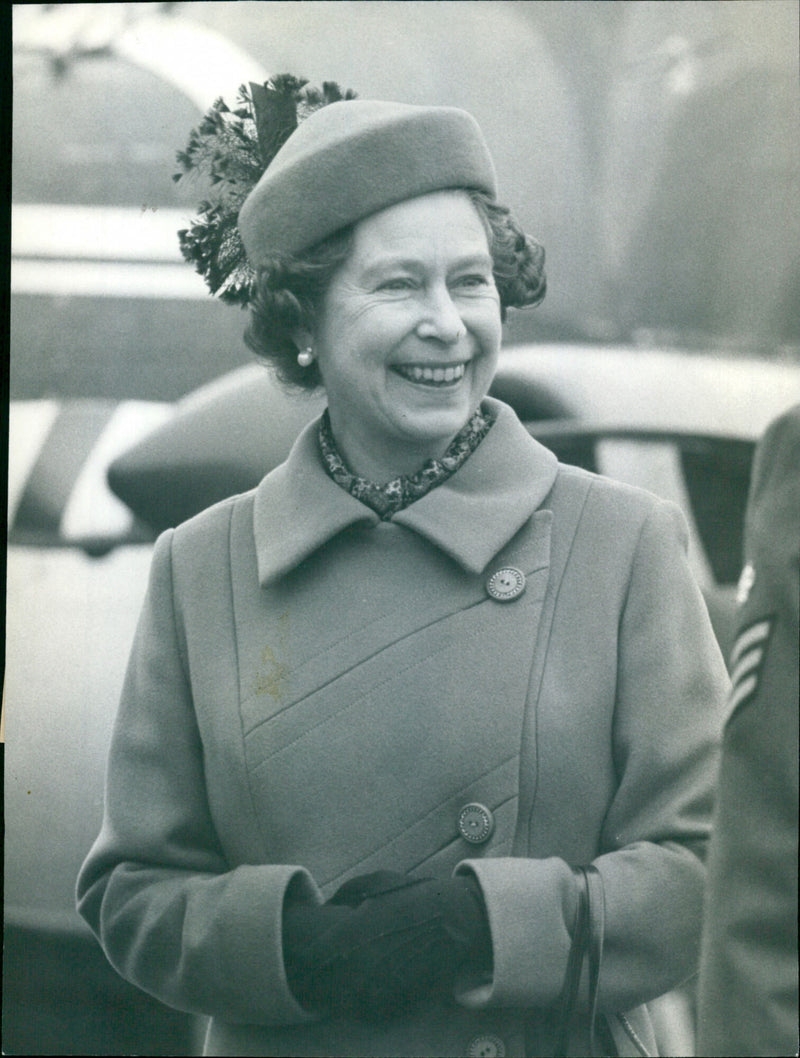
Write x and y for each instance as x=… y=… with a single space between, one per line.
x=482 y=317
x=400 y=318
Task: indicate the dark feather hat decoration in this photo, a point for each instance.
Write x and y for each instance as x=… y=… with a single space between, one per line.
x=230 y=149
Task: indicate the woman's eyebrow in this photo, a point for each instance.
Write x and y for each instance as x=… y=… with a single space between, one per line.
x=476 y=260
x=390 y=261
x=403 y=261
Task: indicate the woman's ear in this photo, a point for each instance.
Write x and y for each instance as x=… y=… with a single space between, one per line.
x=302 y=337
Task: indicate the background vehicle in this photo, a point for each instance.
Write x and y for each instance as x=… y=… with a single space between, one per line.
x=666 y=343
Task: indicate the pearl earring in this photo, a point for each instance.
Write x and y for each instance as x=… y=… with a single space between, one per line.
x=306 y=357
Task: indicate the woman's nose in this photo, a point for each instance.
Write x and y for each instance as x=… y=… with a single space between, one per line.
x=441 y=319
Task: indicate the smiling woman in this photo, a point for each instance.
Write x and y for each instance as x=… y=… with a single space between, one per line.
x=420 y=295
x=408 y=334
x=427 y=717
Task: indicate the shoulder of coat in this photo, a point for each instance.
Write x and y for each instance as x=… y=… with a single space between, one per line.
x=613 y=512
x=607 y=491
x=214 y=521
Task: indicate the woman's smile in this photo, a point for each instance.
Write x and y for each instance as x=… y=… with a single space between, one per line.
x=432 y=375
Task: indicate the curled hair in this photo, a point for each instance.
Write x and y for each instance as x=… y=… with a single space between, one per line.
x=290 y=288
x=289 y=292
x=517 y=259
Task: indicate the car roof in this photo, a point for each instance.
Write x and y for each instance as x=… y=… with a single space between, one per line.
x=658 y=390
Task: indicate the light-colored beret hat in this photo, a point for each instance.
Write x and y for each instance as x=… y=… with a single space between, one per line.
x=352 y=158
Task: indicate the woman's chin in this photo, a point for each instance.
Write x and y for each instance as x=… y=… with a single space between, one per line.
x=438 y=411
x=431 y=430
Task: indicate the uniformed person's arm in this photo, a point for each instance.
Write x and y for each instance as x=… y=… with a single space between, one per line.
x=748 y=989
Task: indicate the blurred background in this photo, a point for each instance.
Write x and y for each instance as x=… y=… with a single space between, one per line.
x=651 y=146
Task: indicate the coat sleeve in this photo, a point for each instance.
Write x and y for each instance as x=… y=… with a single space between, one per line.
x=171 y=915
x=671 y=685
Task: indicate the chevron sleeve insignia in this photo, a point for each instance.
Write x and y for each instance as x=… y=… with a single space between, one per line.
x=747 y=659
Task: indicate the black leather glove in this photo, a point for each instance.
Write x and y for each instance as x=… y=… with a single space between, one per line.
x=384 y=942
x=368 y=886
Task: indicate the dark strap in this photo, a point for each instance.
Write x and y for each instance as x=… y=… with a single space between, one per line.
x=572 y=975
x=587 y=941
x=596 y=898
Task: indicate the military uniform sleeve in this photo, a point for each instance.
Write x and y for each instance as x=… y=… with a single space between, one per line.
x=748 y=992
x=671 y=685
x=171 y=915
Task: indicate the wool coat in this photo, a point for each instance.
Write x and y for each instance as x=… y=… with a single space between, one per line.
x=314 y=693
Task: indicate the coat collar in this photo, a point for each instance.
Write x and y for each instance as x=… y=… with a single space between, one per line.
x=470 y=517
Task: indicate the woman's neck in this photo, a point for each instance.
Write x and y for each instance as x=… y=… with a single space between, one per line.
x=378 y=464
x=389 y=495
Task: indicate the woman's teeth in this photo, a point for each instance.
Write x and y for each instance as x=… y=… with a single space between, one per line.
x=431 y=376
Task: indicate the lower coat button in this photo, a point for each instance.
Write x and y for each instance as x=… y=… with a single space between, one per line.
x=486 y=1046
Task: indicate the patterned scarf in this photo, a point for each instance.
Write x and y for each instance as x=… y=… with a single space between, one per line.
x=394 y=495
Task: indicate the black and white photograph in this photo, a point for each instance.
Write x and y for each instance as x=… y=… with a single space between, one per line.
x=403 y=556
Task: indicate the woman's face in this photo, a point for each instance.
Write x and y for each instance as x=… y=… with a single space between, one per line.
x=409 y=333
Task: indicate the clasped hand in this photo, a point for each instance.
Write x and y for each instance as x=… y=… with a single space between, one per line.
x=383 y=942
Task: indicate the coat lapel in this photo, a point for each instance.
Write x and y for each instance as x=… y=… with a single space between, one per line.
x=470 y=517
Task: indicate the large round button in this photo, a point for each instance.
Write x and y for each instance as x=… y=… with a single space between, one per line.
x=475 y=823
x=506 y=584
x=486 y=1046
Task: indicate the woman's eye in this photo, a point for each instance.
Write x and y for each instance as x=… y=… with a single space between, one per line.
x=472 y=281
x=401 y=283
